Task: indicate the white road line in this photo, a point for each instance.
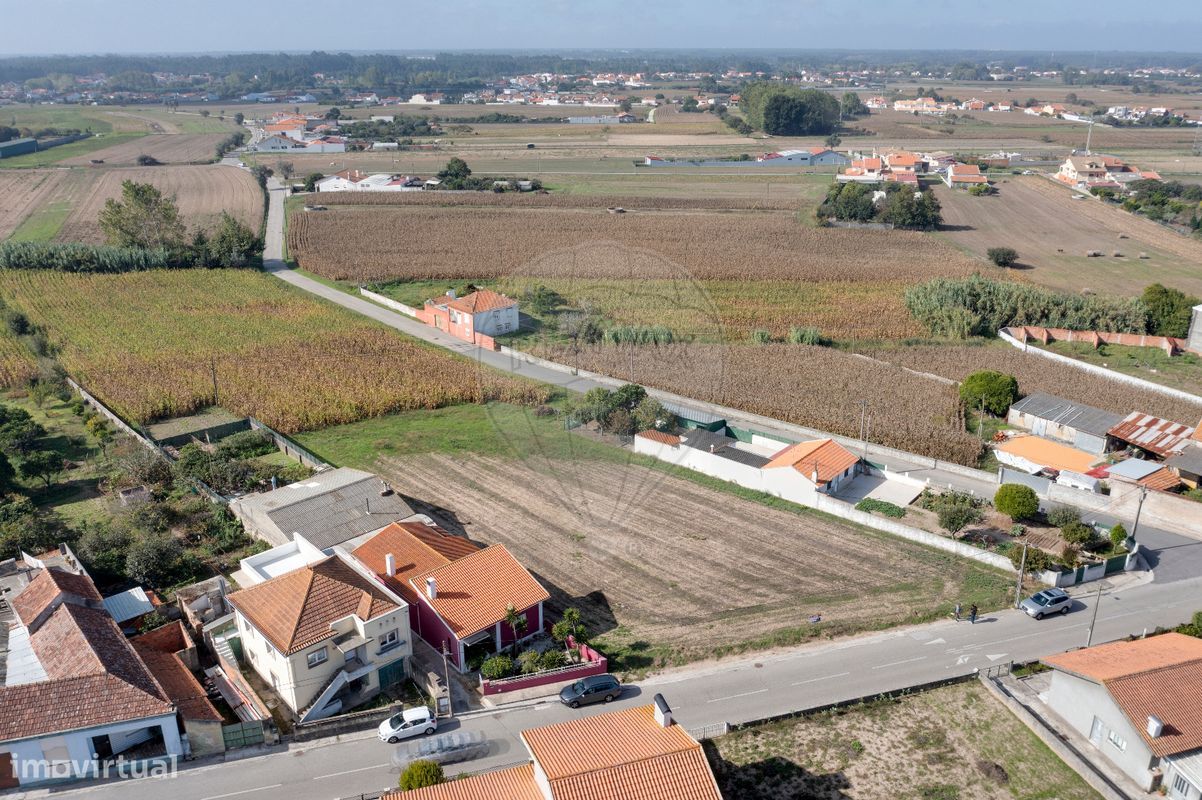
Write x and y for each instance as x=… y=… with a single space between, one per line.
x=349 y=771
x=896 y=663
x=733 y=696
x=244 y=791
x=823 y=678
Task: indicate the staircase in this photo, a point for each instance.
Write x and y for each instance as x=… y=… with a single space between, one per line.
x=322 y=707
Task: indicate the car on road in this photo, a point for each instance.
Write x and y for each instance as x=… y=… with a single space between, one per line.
x=593 y=689
x=1048 y=601
x=410 y=722
x=446 y=748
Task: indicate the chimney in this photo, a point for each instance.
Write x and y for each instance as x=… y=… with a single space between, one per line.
x=1155 y=727
x=431 y=588
x=450 y=293
x=390 y=565
x=814 y=476
x=663 y=714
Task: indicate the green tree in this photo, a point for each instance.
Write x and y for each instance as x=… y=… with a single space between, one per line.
x=143 y=218
x=834 y=140
x=995 y=390
x=153 y=558
x=569 y=626
x=497 y=667
x=1169 y=310
x=955 y=518
x=650 y=414
x=23 y=526
x=456 y=169
x=912 y=210
x=334 y=113
x=852 y=106
x=239 y=118
x=420 y=774
x=7 y=475
x=1016 y=501
x=311 y=181
x=233 y=244
x=18 y=432
x=44 y=465
x=517 y=624
x=689 y=105
x=1037 y=560
x=1002 y=256
x=1063 y=516
x=1118 y=535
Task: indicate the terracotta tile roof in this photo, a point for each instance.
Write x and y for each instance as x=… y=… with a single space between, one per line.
x=416 y=548
x=1159 y=676
x=46 y=587
x=827 y=456
x=1162 y=480
x=478 y=301
x=159 y=650
x=515 y=783
x=94 y=676
x=1159 y=436
x=661 y=437
x=475 y=591
x=294 y=610
x=1047 y=453
x=619 y=755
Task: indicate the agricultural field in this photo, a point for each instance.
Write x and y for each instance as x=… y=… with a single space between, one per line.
x=1052 y=234
x=1182 y=371
x=74 y=150
x=24 y=191
x=951 y=743
x=715 y=268
x=597 y=525
x=202 y=192
x=196 y=148
x=165 y=343
x=16 y=362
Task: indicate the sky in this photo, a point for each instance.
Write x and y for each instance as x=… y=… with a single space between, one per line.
x=165 y=26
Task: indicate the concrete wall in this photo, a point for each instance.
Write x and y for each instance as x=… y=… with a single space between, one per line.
x=1161 y=510
x=204 y=737
x=30 y=755
x=1195 y=330
x=388 y=302
x=1079 y=701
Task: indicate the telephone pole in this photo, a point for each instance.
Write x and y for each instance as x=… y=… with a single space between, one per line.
x=213 y=374
x=1143 y=492
x=1097 y=601
x=1022 y=568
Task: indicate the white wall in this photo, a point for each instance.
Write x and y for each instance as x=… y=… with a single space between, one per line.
x=1078 y=701
x=389 y=302
x=497 y=321
x=79 y=749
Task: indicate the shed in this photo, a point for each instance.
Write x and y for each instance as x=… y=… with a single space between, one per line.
x=1188 y=465
x=690 y=418
x=1082 y=426
x=18 y=147
x=128 y=605
x=1160 y=437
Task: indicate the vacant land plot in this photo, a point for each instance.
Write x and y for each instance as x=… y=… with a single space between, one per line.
x=1052 y=234
x=202 y=192
x=23 y=192
x=671 y=570
x=195 y=148
x=164 y=343
x=954 y=743
x=1182 y=371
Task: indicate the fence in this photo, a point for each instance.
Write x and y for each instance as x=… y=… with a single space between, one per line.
x=592 y=663
x=290 y=448
x=243 y=734
x=388 y=302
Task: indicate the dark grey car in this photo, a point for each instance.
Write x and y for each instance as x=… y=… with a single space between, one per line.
x=1049 y=601
x=593 y=689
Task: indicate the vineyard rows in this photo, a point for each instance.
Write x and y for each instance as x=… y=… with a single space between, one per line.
x=153 y=344
x=421 y=242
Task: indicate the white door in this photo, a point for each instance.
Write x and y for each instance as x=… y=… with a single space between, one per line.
x=1096 y=732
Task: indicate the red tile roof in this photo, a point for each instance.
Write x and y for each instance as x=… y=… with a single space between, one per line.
x=474 y=592
x=415 y=548
x=477 y=302
x=159 y=650
x=515 y=783
x=661 y=437
x=1162 y=480
x=1159 y=436
x=1159 y=676
x=826 y=456
x=48 y=586
x=294 y=610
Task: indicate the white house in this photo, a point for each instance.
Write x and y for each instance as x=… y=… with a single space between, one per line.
x=277 y=144
x=75 y=691
x=1137 y=702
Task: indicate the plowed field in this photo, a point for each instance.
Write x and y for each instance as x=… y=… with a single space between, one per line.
x=197 y=148
x=23 y=191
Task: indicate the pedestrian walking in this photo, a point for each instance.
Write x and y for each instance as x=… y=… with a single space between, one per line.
x=972 y=614
x=959 y=608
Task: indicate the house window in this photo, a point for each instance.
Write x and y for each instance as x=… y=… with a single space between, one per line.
x=1117 y=741
x=317 y=657
x=389 y=640
x=1181 y=787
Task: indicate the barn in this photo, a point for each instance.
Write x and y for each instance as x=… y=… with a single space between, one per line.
x=18 y=147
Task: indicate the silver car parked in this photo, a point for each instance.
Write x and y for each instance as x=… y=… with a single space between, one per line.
x=1049 y=601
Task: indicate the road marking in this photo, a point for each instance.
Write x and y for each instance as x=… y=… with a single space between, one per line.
x=937 y=641
x=823 y=678
x=896 y=663
x=995 y=658
x=962 y=660
x=244 y=791
x=350 y=771
x=733 y=696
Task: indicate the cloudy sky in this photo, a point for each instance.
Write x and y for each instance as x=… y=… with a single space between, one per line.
x=139 y=26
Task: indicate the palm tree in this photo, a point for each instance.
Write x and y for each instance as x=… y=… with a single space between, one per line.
x=517 y=623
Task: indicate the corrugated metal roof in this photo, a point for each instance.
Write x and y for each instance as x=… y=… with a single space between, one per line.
x=1134 y=468
x=1068 y=413
x=1188 y=460
x=128 y=604
x=1159 y=436
x=693 y=414
x=723 y=446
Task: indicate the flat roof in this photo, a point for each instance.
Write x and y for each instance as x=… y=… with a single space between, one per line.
x=1068 y=413
x=1047 y=453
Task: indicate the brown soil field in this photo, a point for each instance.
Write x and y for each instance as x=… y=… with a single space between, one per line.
x=194 y=148
x=1037 y=374
x=652 y=558
x=952 y=742
x=412 y=241
x=202 y=192
x=1052 y=233
x=23 y=192
x=142 y=122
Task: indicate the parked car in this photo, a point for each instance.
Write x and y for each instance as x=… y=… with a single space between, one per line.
x=410 y=722
x=446 y=748
x=593 y=689
x=1049 y=601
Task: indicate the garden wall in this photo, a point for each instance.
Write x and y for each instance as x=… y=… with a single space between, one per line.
x=592 y=663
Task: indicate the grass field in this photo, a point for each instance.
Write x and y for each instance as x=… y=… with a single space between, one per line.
x=163 y=343
x=670 y=566
x=73 y=151
x=1182 y=371
x=187 y=148
x=24 y=192
x=952 y=743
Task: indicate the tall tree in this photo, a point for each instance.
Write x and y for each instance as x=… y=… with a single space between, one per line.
x=143 y=218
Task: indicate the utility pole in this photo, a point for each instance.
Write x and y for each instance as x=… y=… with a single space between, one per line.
x=1089 y=138
x=981 y=419
x=1097 y=601
x=446 y=667
x=1143 y=492
x=213 y=373
x=864 y=427
x=1022 y=568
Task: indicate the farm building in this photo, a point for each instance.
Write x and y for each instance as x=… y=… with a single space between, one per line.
x=1187 y=464
x=1082 y=426
x=483 y=313
x=606 y=119
x=1033 y=455
x=1159 y=437
x=277 y=144
x=353 y=180
x=18 y=147
x=814 y=157
x=1151 y=474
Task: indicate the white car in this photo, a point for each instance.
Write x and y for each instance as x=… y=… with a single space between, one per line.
x=410 y=722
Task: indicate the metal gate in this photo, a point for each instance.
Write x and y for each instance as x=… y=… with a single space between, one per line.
x=243 y=734
x=392 y=674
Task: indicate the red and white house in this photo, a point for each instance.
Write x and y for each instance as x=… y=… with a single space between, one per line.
x=964 y=176
x=459 y=594
x=475 y=318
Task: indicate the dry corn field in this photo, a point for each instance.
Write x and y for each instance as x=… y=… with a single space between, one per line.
x=16 y=362
x=414 y=242
x=812 y=386
x=1037 y=374
x=23 y=192
x=148 y=343
x=202 y=193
